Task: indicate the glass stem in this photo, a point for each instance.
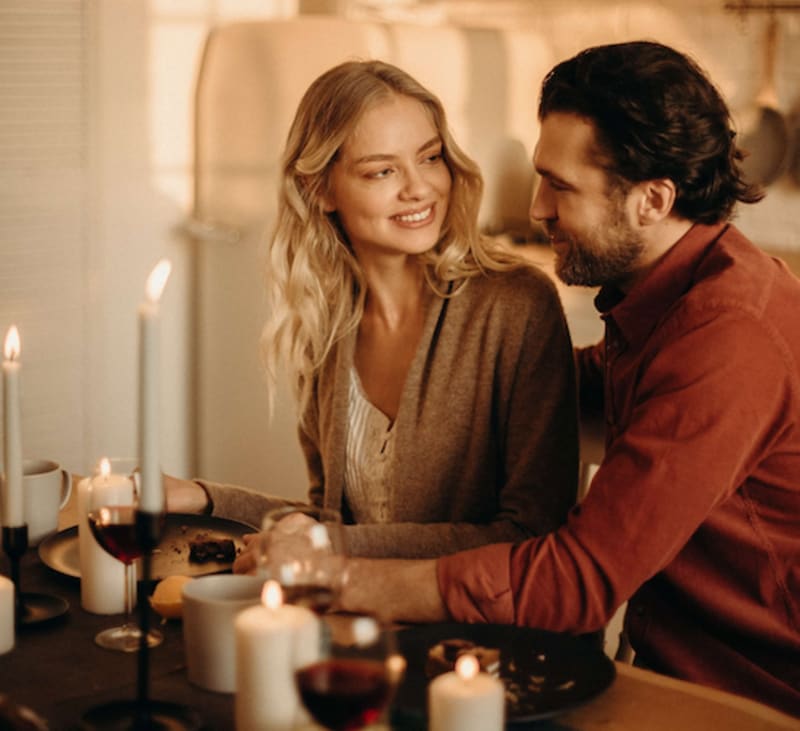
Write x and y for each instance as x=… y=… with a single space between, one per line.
x=128 y=594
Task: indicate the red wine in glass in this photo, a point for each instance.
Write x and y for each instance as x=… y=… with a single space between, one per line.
x=316 y=597
x=114 y=528
x=344 y=694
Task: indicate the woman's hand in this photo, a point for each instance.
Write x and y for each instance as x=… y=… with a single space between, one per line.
x=247 y=561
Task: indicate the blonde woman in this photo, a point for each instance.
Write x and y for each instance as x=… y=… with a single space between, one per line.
x=434 y=369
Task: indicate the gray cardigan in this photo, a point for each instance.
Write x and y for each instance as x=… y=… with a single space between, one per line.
x=486 y=432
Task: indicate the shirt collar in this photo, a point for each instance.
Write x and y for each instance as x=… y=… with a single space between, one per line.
x=638 y=312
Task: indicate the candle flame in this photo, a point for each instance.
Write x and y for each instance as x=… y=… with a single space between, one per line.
x=467 y=667
x=157 y=280
x=271 y=595
x=395 y=667
x=11 y=347
x=365 y=631
x=105 y=467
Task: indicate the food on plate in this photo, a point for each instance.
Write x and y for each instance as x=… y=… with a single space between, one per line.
x=443 y=655
x=166 y=598
x=203 y=549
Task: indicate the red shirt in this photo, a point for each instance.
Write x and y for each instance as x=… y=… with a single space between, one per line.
x=694 y=515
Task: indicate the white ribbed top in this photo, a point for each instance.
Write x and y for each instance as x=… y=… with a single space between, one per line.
x=369 y=452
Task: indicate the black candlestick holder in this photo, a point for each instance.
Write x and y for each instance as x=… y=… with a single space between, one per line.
x=29 y=608
x=143 y=713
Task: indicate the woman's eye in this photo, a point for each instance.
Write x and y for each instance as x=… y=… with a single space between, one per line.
x=385 y=172
x=436 y=157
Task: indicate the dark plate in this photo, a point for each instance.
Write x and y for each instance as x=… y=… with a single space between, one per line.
x=545 y=673
x=60 y=550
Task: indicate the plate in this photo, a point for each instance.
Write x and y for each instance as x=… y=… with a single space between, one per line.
x=60 y=552
x=545 y=673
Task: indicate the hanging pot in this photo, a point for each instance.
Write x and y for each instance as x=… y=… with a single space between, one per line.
x=767 y=139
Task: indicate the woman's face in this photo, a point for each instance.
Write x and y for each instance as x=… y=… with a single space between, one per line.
x=390 y=186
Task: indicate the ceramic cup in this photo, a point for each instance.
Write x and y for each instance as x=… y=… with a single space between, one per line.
x=210 y=604
x=46 y=487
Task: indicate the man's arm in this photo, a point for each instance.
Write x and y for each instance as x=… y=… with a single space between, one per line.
x=395 y=590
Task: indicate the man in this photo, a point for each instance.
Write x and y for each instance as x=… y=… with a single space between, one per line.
x=694 y=514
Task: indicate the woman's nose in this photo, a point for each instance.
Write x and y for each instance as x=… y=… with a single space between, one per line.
x=415 y=184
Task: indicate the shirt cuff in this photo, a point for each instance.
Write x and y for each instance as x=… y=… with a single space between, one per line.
x=475 y=585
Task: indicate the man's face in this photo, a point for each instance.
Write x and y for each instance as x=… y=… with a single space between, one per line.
x=588 y=221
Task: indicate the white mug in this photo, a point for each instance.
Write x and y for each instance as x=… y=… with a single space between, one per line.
x=210 y=604
x=46 y=487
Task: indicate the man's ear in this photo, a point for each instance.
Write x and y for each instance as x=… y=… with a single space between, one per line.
x=655 y=201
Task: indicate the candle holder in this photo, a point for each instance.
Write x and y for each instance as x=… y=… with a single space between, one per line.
x=144 y=713
x=29 y=608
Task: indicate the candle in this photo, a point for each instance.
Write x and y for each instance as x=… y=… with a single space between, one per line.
x=272 y=641
x=12 y=508
x=151 y=498
x=102 y=576
x=6 y=615
x=466 y=700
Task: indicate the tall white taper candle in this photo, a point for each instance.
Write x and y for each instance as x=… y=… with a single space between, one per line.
x=151 y=498
x=12 y=507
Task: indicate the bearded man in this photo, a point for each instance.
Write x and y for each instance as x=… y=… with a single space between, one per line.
x=694 y=515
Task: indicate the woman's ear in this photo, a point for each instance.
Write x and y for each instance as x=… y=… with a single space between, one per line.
x=314 y=196
x=656 y=200
x=327 y=204
x=327 y=201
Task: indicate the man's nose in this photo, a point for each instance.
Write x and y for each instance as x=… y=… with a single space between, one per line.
x=542 y=205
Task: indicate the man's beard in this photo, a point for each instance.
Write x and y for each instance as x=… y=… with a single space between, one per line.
x=607 y=255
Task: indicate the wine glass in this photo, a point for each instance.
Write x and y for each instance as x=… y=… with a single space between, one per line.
x=112 y=503
x=302 y=548
x=351 y=683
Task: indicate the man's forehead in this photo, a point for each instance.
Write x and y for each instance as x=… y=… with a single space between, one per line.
x=567 y=148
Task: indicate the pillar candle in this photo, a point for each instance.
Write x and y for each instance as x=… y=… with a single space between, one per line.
x=6 y=615
x=272 y=641
x=466 y=700
x=102 y=575
x=12 y=507
x=151 y=499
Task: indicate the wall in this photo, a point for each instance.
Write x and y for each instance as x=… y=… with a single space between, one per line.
x=141 y=69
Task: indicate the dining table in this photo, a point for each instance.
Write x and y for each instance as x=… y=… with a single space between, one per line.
x=56 y=670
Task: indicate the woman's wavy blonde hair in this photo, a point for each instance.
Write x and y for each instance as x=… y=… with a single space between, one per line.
x=315 y=286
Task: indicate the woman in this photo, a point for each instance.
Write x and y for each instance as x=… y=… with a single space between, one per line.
x=434 y=369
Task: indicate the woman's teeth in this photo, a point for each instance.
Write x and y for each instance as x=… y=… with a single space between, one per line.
x=415 y=217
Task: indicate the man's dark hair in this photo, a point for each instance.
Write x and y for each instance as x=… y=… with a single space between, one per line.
x=657 y=115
